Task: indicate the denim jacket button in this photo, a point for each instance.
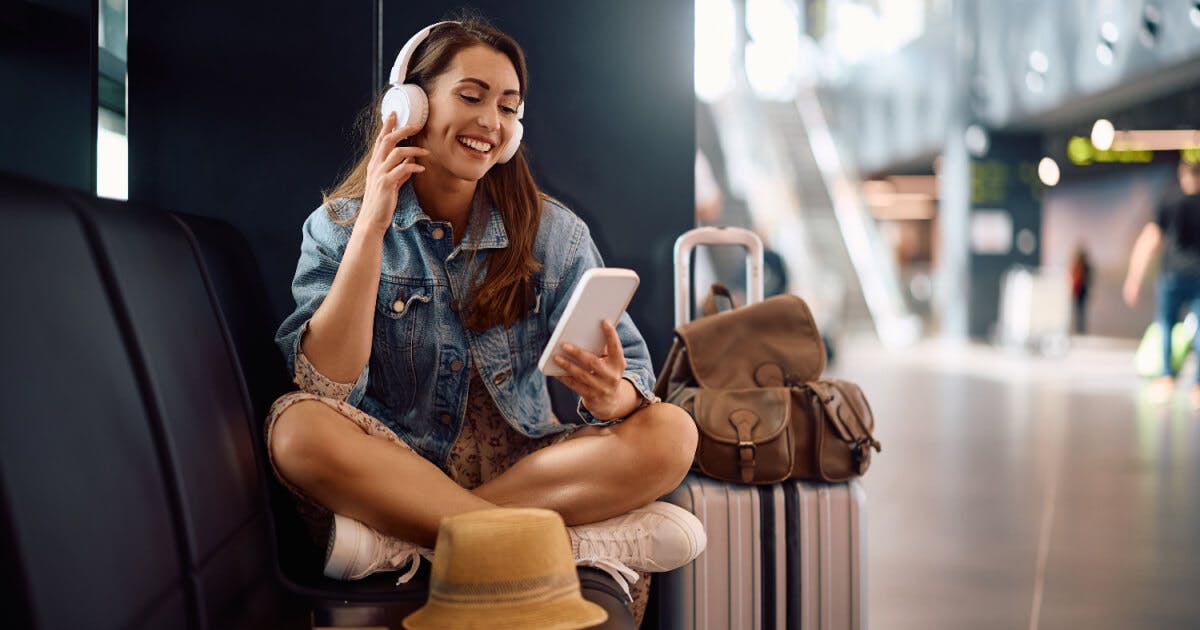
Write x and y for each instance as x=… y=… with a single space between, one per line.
x=455 y=365
x=398 y=306
x=445 y=419
x=438 y=233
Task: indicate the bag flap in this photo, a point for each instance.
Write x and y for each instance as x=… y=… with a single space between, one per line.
x=725 y=349
x=762 y=414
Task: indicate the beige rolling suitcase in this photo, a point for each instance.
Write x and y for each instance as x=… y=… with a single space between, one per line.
x=783 y=556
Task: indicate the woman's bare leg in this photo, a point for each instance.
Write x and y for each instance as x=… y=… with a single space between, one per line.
x=365 y=477
x=602 y=472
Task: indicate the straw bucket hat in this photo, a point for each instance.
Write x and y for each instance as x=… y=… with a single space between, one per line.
x=504 y=568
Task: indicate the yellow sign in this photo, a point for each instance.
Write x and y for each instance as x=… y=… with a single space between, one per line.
x=989 y=179
x=1082 y=152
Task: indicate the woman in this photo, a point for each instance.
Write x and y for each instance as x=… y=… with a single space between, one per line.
x=428 y=283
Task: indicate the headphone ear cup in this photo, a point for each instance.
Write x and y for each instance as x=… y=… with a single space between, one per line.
x=409 y=102
x=514 y=143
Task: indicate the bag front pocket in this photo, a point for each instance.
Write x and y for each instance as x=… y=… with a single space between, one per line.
x=744 y=433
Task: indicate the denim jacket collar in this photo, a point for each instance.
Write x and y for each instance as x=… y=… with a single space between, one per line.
x=409 y=213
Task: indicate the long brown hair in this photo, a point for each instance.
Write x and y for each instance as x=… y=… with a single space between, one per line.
x=507 y=294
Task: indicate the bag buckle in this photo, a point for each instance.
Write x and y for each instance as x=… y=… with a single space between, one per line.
x=747 y=454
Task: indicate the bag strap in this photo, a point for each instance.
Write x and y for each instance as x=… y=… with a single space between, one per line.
x=743 y=421
x=710 y=306
x=668 y=368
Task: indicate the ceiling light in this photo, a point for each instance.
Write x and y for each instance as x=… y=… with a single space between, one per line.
x=1109 y=32
x=1039 y=62
x=1103 y=134
x=1048 y=171
x=1104 y=53
x=976 y=139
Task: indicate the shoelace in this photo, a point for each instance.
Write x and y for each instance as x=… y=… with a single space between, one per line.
x=617 y=542
x=399 y=552
x=621 y=574
x=605 y=553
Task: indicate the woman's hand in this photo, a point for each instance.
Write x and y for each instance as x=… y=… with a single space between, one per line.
x=599 y=380
x=390 y=166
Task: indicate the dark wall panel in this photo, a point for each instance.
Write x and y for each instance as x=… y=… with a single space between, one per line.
x=609 y=124
x=48 y=102
x=243 y=111
x=1006 y=180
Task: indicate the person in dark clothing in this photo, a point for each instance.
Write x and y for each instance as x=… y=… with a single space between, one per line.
x=1081 y=279
x=1176 y=227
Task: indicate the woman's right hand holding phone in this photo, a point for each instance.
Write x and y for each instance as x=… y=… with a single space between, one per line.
x=389 y=167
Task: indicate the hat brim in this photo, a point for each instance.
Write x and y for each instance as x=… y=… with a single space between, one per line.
x=566 y=614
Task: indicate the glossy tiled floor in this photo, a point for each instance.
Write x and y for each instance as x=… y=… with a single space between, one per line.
x=1027 y=492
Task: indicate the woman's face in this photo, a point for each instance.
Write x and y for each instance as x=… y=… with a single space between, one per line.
x=472 y=112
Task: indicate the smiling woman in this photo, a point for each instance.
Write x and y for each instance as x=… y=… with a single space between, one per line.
x=443 y=78
x=427 y=286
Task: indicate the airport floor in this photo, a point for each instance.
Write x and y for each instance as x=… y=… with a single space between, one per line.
x=1018 y=491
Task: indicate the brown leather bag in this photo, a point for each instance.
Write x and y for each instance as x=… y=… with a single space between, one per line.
x=750 y=378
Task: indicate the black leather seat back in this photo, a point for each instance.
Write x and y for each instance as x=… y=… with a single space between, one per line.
x=241 y=296
x=198 y=398
x=87 y=519
x=203 y=407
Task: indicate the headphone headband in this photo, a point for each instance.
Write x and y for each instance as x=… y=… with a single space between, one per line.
x=400 y=68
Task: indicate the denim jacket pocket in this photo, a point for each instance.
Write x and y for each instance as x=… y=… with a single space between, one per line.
x=403 y=322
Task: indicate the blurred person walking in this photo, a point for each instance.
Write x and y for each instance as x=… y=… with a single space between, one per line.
x=1176 y=226
x=1081 y=280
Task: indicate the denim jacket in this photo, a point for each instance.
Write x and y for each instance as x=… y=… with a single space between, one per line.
x=421 y=355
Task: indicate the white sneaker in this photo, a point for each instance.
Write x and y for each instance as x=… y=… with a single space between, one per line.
x=657 y=537
x=356 y=551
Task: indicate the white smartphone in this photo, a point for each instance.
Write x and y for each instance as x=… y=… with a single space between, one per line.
x=602 y=293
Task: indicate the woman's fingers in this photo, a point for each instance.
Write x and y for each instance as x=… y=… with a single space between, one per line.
x=586 y=367
x=573 y=369
x=400 y=154
x=397 y=176
x=406 y=131
x=389 y=125
x=390 y=135
x=575 y=386
x=613 y=350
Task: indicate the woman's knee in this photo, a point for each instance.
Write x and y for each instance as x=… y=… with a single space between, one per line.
x=300 y=440
x=670 y=437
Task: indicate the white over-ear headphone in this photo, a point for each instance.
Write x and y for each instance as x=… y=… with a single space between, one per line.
x=411 y=104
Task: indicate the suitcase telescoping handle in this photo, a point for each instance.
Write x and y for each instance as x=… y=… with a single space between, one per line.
x=715 y=236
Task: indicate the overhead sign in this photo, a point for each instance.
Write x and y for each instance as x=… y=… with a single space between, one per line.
x=1082 y=152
